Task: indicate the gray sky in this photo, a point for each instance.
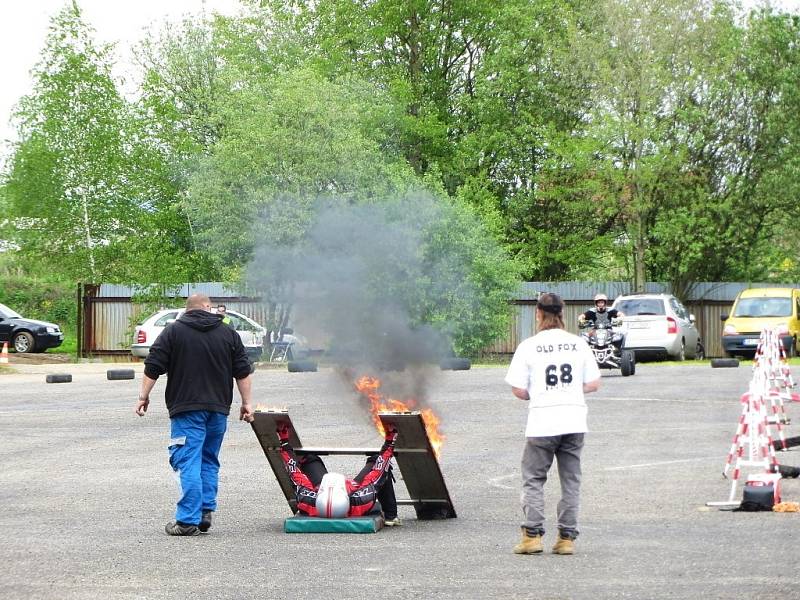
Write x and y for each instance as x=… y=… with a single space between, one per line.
x=24 y=24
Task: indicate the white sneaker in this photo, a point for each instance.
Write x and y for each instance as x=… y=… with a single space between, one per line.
x=392 y=522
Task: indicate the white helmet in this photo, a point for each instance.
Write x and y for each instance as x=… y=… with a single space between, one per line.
x=332 y=499
x=599 y=297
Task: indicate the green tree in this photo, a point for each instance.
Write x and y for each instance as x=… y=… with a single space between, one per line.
x=183 y=84
x=90 y=191
x=524 y=160
x=646 y=61
x=728 y=180
x=288 y=142
x=486 y=99
x=67 y=180
x=424 y=52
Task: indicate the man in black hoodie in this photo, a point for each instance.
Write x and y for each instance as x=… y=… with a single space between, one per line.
x=201 y=358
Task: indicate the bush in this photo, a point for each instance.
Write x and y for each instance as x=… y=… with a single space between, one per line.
x=43 y=300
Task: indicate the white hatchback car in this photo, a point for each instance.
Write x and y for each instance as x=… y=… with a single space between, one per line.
x=148 y=330
x=659 y=325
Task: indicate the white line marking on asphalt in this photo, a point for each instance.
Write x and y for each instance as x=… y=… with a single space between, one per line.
x=650 y=429
x=665 y=400
x=661 y=463
x=495 y=482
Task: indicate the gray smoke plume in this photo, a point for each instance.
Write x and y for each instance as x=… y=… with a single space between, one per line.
x=370 y=278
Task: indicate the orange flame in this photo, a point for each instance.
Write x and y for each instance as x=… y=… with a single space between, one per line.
x=368 y=387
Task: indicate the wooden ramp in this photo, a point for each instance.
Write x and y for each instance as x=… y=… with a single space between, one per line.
x=413 y=452
x=265 y=424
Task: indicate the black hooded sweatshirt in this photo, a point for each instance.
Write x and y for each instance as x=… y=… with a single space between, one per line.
x=201 y=357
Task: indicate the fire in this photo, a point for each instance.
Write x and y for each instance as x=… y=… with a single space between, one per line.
x=368 y=387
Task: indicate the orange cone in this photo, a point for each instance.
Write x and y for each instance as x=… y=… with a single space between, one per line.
x=4 y=354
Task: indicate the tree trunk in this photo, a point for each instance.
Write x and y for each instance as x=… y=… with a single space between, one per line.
x=89 y=243
x=638 y=257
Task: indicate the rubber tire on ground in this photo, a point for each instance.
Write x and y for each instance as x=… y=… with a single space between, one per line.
x=455 y=364
x=627 y=363
x=721 y=363
x=59 y=378
x=302 y=366
x=120 y=374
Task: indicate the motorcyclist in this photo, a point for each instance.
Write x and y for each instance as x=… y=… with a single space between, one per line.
x=600 y=313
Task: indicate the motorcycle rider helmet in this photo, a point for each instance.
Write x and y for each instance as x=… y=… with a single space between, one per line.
x=599 y=297
x=332 y=499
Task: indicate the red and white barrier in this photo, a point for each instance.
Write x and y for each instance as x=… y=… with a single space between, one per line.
x=753 y=445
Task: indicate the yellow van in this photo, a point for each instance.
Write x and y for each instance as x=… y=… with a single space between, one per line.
x=756 y=309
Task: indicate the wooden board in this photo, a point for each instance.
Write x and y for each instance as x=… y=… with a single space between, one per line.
x=419 y=466
x=265 y=425
x=413 y=452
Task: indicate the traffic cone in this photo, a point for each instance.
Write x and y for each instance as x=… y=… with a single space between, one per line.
x=4 y=354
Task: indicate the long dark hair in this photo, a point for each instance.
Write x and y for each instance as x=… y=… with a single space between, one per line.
x=550 y=308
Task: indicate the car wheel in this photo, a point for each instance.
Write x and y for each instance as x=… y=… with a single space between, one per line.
x=700 y=352
x=681 y=356
x=792 y=349
x=23 y=342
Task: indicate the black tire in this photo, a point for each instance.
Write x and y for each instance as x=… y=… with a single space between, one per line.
x=681 y=356
x=722 y=363
x=59 y=378
x=627 y=363
x=23 y=342
x=120 y=374
x=792 y=352
x=302 y=366
x=455 y=364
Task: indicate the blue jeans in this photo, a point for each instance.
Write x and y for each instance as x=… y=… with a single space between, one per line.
x=194 y=454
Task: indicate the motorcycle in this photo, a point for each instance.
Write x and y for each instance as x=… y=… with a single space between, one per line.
x=606 y=344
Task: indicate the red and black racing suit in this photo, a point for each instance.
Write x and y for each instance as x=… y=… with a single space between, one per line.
x=363 y=490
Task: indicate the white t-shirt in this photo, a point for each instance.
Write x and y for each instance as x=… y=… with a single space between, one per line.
x=552 y=366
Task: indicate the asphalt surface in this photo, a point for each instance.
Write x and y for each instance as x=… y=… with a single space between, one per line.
x=85 y=491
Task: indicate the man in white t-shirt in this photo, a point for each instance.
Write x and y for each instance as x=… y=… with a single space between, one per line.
x=552 y=370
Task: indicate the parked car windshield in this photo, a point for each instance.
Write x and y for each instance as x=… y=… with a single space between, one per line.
x=764 y=307
x=7 y=313
x=631 y=307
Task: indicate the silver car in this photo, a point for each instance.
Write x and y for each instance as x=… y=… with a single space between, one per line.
x=658 y=325
x=149 y=329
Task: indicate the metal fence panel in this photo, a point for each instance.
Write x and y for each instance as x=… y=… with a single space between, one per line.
x=110 y=314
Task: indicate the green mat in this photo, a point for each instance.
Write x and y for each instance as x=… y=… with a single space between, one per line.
x=303 y=524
